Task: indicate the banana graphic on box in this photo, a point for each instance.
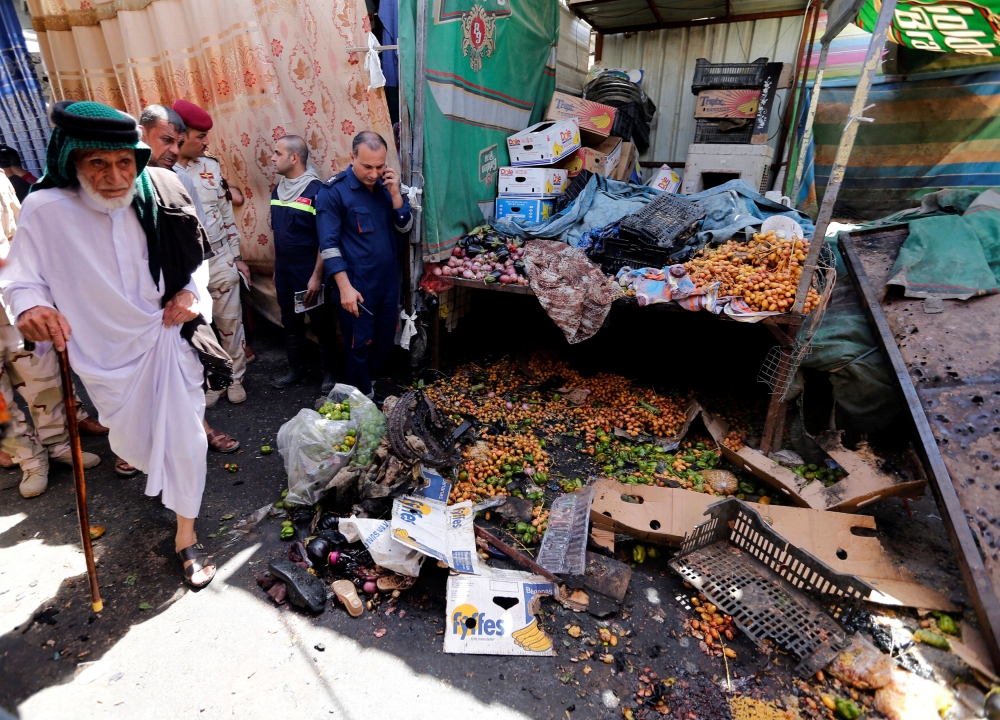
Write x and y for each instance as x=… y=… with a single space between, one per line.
x=601 y=121
x=548 y=187
x=749 y=107
x=532 y=638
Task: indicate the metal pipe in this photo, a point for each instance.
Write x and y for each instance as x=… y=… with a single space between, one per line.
x=798 y=97
x=69 y=400
x=779 y=151
x=807 y=133
x=415 y=247
x=854 y=118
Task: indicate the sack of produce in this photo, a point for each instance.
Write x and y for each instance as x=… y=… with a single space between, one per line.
x=314 y=448
x=358 y=407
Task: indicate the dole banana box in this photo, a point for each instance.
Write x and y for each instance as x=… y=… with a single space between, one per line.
x=536 y=182
x=544 y=143
x=600 y=160
x=495 y=614
x=595 y=120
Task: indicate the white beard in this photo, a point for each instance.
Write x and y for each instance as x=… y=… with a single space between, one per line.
x=108 y=203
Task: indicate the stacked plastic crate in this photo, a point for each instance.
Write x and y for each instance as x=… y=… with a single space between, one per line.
x=729 y=99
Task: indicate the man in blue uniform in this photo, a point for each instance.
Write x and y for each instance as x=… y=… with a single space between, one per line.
x=360 y=214
x=298 y=266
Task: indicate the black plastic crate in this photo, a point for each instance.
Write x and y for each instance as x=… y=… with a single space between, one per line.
x=665 y=221
x=573 y=190
x=772 y=589
x=619 y=253
x=727 y=76
x=707 y=131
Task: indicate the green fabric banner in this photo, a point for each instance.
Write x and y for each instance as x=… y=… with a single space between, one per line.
x=490 y=73
x=957 y=26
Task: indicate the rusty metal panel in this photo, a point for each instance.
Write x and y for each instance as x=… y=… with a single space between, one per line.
x=947 y=359
x=667 y=58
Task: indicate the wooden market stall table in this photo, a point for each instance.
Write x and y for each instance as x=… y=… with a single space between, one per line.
x=784 y=327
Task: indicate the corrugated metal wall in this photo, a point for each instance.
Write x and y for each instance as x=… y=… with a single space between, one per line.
x=668 y=57
x=573 y=55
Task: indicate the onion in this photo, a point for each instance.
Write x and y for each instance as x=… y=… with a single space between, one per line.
x=468 y=274
x=370 y=587
x=509 y=406
x=457 y=251
x=508 y=263
x=334 y=556
x=529 y=471
x=491 y=394
x=525 y=406
x=506 y=279
x=437 y=271
x=479 y=276
x=522 y=281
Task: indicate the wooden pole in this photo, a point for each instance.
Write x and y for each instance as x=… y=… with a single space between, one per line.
x=785 y=138
x=81 y=484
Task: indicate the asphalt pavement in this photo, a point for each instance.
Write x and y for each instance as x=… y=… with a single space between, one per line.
x=161 y=650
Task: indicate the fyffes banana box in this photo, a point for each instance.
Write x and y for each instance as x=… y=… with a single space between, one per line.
x=544 y=143
x=595 y=119
x=495 y=613
x=540 y=182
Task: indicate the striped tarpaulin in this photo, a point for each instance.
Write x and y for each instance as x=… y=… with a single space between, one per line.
x=927 y=134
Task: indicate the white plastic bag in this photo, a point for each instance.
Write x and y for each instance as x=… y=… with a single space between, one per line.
x=307 y=443
x=368 y=419
x=377 y=537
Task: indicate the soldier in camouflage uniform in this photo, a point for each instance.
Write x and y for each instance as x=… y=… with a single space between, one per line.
x=226 y=265
x=37 y=379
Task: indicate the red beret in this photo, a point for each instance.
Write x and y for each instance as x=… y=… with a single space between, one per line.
x=193 y=116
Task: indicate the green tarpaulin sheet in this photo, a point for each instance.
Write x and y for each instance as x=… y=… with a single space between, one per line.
x=490 y=73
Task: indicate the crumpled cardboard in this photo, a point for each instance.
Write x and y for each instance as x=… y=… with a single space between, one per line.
x=665 y=515
x=377 y=537
x=863 y=485
x=445 y=532
x=495 y=614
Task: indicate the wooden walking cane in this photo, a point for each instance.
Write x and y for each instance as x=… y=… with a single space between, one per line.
x=81 y=483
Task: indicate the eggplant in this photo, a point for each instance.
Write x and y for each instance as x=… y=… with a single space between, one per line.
x=503 y=255
x=493 y=243
x=474 y=250
x=333 y=537
x=493 y=276
x=520 y=268
x=319 y=550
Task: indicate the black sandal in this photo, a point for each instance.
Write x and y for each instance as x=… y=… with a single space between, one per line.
x=191 y=553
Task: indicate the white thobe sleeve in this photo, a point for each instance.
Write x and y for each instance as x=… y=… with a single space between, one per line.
x=21 y=280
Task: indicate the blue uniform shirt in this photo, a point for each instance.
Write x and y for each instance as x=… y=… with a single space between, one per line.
x=358 y=233
x=296 y=242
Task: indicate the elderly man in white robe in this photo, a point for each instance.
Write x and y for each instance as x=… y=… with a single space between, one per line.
x=85 y=274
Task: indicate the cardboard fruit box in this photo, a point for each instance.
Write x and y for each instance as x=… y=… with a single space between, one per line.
x=719 y=104
x=600 y=160
x=544 y=143
x=540 y=182
x=595 y=119
x=524 y=210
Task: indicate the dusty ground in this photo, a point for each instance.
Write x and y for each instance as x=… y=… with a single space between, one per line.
x=228 y=651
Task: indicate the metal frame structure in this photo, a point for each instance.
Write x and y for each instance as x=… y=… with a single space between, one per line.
x=661 y=24
x=847 y=9
x=974 y=573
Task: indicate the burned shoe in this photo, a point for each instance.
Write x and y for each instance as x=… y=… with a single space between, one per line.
x=304 y=589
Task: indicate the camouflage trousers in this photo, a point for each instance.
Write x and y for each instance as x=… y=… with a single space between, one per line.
x=227 y=312
x=39 y=382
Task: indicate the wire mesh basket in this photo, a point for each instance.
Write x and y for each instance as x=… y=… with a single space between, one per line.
x=772 y=589
x=662 y=222
x=727 y=76
x=782 y=363
x=708 y=132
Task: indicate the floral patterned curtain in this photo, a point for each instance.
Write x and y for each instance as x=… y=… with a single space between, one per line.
x=262 y=68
